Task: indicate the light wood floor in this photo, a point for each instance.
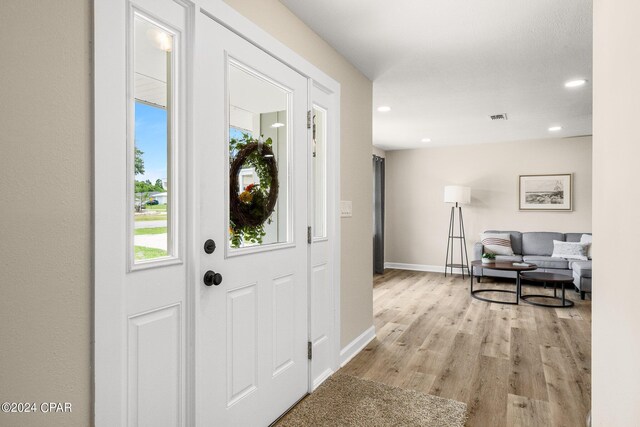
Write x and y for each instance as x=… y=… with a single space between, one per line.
x=512 y=365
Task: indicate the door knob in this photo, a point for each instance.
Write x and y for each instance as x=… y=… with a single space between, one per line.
x=211 y=278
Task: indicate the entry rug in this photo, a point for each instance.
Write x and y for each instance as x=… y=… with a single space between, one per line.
x=344 y=400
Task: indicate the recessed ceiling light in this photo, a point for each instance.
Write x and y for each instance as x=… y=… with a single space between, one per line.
x=425 y=140
x=163 y=41
x=555 y=128
x=575 y=83
x=384 y=108
x=277 y=125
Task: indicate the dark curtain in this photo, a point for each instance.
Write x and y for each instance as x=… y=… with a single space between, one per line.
x=378 y=215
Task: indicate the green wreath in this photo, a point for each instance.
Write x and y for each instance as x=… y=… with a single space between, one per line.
x=252 y=208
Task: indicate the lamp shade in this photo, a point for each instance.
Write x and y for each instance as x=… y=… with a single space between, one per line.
x=457 y=194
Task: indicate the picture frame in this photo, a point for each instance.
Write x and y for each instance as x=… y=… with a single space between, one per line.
x=551 y=192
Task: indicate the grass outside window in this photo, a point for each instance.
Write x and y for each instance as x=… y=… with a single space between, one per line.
x=155 y=208
x=153 y=217
x=142 y=253
x=151 y=230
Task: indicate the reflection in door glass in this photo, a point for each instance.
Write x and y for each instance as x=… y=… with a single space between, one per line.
x=152 y=105
x=258 y=160
x=319 y=172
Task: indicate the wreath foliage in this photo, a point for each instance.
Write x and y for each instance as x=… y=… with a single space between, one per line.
x=253 y=206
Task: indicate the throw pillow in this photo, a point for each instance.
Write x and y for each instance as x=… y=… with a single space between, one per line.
x=499 y=244
x=587 y=238
x=570 y=250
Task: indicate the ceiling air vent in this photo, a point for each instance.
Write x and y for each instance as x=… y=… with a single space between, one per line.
x=502 y=116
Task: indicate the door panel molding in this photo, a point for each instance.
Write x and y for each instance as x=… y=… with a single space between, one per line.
x=242 y=343
x=155 y=364
x=283 y=318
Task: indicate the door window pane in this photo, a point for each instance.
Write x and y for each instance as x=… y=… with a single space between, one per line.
x=152 y=59
x=258 y=160
x=319 y=172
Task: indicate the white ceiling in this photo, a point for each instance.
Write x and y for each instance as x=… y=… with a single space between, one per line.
x=444 y=66
x=254 y=94
x=150 y=78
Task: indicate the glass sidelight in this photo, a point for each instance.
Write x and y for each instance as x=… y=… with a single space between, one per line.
x=152 y=59
x=319 y=165
x=259 y=153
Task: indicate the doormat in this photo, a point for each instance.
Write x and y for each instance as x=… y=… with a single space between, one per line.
x=344 y=400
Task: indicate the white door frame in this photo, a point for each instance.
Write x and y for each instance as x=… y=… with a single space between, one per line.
x=109 y=31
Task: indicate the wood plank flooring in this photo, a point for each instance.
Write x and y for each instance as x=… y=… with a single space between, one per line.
x=512 y=365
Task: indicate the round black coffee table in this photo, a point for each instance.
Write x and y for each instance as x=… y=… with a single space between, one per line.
x=548 y=278
x=504 y=266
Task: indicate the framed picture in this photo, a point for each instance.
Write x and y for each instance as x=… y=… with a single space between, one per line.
x=546 y=192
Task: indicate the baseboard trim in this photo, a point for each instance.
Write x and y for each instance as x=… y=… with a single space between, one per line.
x=321 y=378
x=356 y=346
x=415 y=267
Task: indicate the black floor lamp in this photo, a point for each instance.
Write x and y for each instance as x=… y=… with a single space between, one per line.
x=458 y=195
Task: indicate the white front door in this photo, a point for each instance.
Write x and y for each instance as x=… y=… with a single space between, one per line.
x=251 y=318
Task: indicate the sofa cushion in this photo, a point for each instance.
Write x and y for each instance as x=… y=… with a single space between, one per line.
x=547 y=261
x=573 y=237
x=582 y=268
x=516 y=239
x=539 y=243
x=587 y=238
x=496 y=243
x=509 y=258
x=570 y=250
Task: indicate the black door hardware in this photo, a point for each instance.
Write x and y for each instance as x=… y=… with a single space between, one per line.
x=211 y=278
x=209 y=246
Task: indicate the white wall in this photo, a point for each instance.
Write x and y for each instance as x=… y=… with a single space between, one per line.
x=417 y=219
x=616 y=209
x=355 y=169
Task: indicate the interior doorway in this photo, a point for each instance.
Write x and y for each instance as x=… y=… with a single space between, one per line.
x=378 y=214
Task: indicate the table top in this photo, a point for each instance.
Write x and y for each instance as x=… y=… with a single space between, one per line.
x=547 y=277
x=504 y=265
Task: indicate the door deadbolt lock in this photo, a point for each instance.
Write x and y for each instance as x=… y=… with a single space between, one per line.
x=211 y=278
x=209 y=246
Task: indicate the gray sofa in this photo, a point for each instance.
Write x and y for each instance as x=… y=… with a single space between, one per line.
x=537 y=248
